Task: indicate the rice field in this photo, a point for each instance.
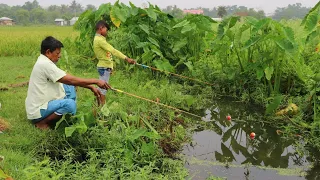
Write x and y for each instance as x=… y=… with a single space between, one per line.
x=21 y=40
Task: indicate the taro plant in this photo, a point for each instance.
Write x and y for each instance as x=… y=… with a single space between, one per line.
x=149 y=35
x=261 y=47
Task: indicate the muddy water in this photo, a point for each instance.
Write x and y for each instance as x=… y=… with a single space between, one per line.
x=222 y=148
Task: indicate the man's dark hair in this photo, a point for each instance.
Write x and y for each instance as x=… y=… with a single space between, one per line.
x=50 y=43
x=102 y=23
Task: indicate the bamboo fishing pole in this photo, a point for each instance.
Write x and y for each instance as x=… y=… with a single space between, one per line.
x=152 y=101
x=155 y=69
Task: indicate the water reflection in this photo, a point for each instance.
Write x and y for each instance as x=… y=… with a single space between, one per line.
x=229 y=142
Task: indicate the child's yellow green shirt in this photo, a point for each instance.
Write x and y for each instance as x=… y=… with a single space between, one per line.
x=104 y=52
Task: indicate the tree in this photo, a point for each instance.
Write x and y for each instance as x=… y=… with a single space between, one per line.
x=31 y=5
x=54 y=8
x=222 y=11
x=64 y=9
x=23 y=16
x=4 y=10
x=290 y=12
x=38 y=16
x=75 y=8
x=92 y=7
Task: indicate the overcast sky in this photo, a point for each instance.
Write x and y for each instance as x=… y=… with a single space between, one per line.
x=267 y=5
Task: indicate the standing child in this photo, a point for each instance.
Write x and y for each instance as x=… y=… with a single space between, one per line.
x=104 y=52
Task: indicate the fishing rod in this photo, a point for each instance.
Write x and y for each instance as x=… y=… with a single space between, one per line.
x=155 y=69
x=152 y=101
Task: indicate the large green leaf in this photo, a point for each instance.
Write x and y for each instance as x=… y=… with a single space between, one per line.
x=188 y=28
x=81 y=126
x=181 y=24
x=220 y=31
x=156 y=50
x=153 y=41
x=103 y=9
x=233 y=21
x=289 y=33
x=252 y=41
x=122 y=14
x=69 y=131
x=284 y=44
x=164 y=65
x=142 y=44
x=189 y=65
x=311 y=21
x=312 y=35
x=147 y=56
x=261 y=24
x=151 y=14
x=269 y=71
x=274 y=104
x=316 y=7
x=260 y=73
x=238 y=34
x=179 y=44
x=115 y=18
x=145 y=28
x=230 y=34
x=134 y=10
x=251 y=20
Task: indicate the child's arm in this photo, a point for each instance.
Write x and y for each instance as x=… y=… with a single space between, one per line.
x=107 y=47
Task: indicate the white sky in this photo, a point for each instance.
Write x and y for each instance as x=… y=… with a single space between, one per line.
x=267 y=5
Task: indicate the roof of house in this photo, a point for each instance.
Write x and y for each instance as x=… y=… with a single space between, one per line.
x=193 y=11
x=58 y=20
x=5 y=19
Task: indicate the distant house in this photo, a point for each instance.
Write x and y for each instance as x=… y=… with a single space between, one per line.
x=73 y=20
x=6 y=21
x=193 y=11
x=60 y=22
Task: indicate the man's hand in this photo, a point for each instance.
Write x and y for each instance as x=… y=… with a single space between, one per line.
x=130 y=61
x=102 y=84
x=98 y=94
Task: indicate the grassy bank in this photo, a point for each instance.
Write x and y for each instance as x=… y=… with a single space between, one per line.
x=130 y=143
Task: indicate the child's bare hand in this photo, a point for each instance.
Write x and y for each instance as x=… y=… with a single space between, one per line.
x=131 y=61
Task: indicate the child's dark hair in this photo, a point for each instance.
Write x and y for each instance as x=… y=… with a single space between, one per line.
x=50 y=43
x=102 y=23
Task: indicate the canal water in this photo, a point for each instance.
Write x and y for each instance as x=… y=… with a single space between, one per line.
x=223 y=149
